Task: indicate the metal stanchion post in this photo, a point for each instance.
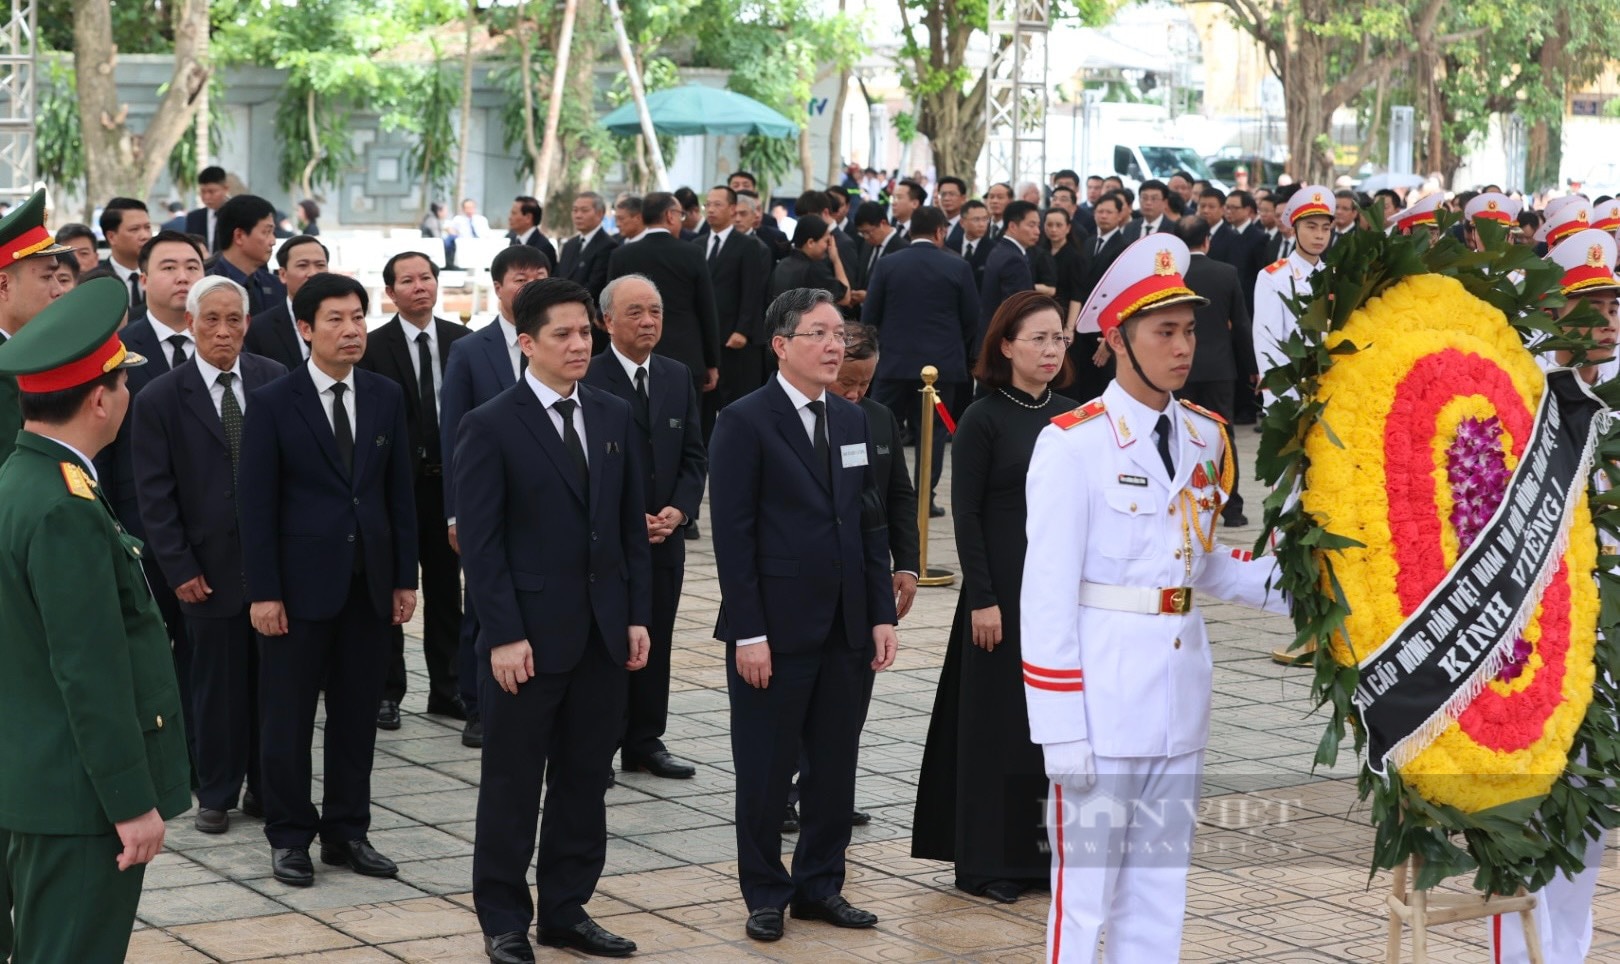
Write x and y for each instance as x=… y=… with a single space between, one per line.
x=925 y=463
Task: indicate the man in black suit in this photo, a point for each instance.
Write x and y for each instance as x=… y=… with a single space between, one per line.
x=329 y=543
x=481 y=366
x=674 y=467
x=523 y=223
x=949 y=195
x=1006 y=270
x=1085 y=213
x=412 y=350
x=1245 y=249
x=554 y=538
x=976 y=240
x=213 y=191
x=1099 y=254
x=246 y=228
x=273 y=333
x=1271 y=225
x=584 y=258
x=1155 y=217
x=127 y=226
x=807 y=612
x=925 y=309
x=187 y=443
x=1224 y=357
x=879 y=240
x=678 y=271
x=761 y=224
x=739 y=267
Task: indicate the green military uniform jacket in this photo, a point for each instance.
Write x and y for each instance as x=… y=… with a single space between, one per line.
x=90 y=712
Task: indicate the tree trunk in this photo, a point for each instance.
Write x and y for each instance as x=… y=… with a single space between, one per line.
x=639 y=94
x=559 y=78
x=526 y=64
x=575 y=168
x=316 y=151
x=466 y=106
x=806 y=163
x=1304 y=64
x=119 y=162
x=835 y=137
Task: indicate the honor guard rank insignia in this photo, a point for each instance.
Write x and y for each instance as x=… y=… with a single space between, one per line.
x=1084 y=413
x=1277 y=265
x=1202 y=411
x=77 y=481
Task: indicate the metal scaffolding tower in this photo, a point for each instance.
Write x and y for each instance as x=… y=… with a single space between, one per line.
x=18 y=74
x=1015 y=135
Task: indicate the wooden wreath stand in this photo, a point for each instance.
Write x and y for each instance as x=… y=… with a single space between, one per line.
x=1419 y=909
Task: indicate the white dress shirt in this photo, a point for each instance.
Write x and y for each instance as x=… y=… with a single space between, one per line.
x=476 y=226
x=630 y=367
x=708 y=245
x=163 y=333
x=213 y=221
x=549 y=399
x=510 y=331
x=415 y=353
x=216 y=391
x=89 y=463
x=123 y=273
x=651 y=231
x=298 y=336
x=323 y=387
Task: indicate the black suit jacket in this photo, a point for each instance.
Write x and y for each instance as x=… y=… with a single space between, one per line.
x=925 y=307
x=1246 y=252
x=272 y=333
x=1270 y=252
x=388 y=353
x=1138 y=227
x=587 y=264
x=1097 y=262
x=1006 y=272
x=789 y=541
x=980 y=253
x=1225 y=345
x=545 y=559
x=674 y=463
x=135 y=304
x=893 y=485
x=185 y=485
x=304 y=517
x=953 y=239
x=799 y=270
x=115 y=464
x=676 y=269
x=739 y=273
x=536 y=238
x=197 y=223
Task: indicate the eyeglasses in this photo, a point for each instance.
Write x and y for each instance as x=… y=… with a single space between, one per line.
x=1043 y=342
x=821 y=336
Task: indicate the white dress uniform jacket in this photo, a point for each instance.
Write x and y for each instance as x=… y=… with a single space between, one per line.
x=1273 y=320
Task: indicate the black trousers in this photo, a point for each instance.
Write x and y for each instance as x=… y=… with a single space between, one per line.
x=468 y=664
x=742 y=370
x=647 y=710
x=348 y=655
x=224 y=708
x=441 y=601
x=180 y=643
x=816 y=702
x=901 y=396
x=1217 y=396
x=559 y=728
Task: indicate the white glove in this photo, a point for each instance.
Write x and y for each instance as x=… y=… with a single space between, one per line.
x=1070 y=764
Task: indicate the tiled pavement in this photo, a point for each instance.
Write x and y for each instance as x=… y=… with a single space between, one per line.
x=1280 y=874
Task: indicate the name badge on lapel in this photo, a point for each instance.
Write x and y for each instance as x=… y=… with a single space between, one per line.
x=854 y=454
x=674 y=423
x=382 y=440
x=1133 y=480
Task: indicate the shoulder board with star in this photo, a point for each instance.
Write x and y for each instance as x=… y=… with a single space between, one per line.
x=1277 y=265
x=1201 y=410
x=1084 y=413
x=78 y=483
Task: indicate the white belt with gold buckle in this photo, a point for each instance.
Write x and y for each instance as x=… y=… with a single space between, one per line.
x=1170 y=601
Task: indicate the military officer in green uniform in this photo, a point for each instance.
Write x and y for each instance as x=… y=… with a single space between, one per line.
x=28 y=282
x=94 y=755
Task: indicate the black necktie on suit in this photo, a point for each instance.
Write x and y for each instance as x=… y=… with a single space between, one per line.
x=1098 y=249
x=641 y=393
x=429 y=398
x=230 y=417
x=342 y=431
x=576 y=448
x=1162 y=428
x=714 y=247
x=823 y=454
x=967 y=249
x=135 y=290
x=177 y=350
x=871 y=262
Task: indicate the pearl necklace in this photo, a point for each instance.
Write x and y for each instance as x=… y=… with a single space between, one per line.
x=1040 y=403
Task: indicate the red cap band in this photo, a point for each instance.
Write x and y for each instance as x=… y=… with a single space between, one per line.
x=1586 y=276
x=75 y=373
x=25 y=244
x=1154 y=288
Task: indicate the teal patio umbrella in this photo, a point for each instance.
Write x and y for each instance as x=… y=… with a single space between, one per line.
x=694 y=109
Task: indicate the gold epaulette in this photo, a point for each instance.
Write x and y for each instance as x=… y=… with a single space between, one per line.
x=1202 y=410
x=77 y=481
x=1084 y=413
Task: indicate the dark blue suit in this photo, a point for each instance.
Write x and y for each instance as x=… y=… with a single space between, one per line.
x=197 y=223
x=1006 y=272
x=480 y=367
x=800 y=566
x=674 y=467
x=568 y=570
x=273 y=334
x=332 y=545
x=187 y=496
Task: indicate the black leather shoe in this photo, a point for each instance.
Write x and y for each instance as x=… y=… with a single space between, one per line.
x=765 y=924
x=388 y=715
x=835 y=910
x=213 y=821
x=693 y=533
x=473 y=734
x=510 y=948
x=790 y=820
x=1235 y=520
x=1002 y=891
x=291 y=866
x=660 y=764
x=251 y=807
x=860 y=818
x=359 y=855
x=613 y=779
x=454 y=708
x=934 y=511
x=588 y=937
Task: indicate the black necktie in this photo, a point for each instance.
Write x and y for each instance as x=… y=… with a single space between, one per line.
x=230 y=416
x=714 y=247
x=430 y=403
x=177 y=350
x=135 y=290
x=967 y=250
x=871 y=262
x=641 y=393
x=342 y=431
x=576 y=448
x=823 y=457
x=1099 y=246
x=1163 y=431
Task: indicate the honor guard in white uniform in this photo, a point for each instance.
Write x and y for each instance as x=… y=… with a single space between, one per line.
x=1606 y=217
x=1563 y=217
x=1563 y=911
x=1310 y=211
x=1489 y=206
x=1420 y=214
x=1124 y=493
